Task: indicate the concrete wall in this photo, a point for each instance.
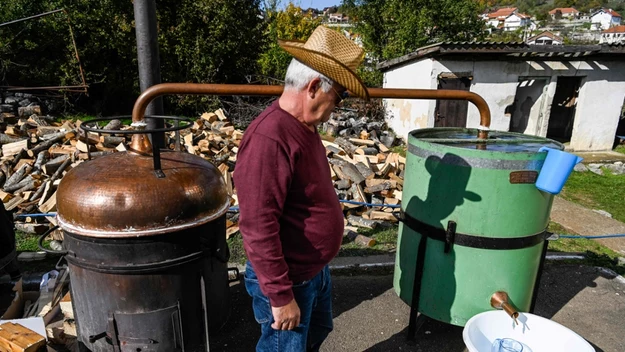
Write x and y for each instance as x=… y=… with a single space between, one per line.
x=598 y=108
x=405 y=115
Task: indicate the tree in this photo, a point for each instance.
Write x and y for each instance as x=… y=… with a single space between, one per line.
x=564 y=3
x=292 y=23
x=391 y=28
x=216 y=41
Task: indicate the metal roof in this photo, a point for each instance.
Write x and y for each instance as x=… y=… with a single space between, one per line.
x=506 y=51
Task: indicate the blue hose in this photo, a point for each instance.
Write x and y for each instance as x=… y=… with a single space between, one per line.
x=236 y=209
x=592 y=237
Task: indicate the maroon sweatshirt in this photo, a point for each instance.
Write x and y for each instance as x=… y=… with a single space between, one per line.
x=290 y=217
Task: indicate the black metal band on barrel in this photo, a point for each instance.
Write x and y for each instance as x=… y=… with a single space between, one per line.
x=135 y=268
x=472 y=241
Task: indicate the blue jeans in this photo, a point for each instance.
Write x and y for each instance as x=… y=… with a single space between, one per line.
x=314 y=298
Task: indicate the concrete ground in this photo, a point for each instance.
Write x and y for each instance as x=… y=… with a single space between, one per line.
x=601 y=157
x=370 y=317
x=587 y=222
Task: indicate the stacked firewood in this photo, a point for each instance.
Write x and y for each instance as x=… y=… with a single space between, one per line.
x=37 y=151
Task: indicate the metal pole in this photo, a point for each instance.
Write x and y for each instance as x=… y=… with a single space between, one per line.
x=30 y=18
x=149 y=63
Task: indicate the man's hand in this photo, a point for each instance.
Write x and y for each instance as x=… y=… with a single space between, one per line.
x=286 y=317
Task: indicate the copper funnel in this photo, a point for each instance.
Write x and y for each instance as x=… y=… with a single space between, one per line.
x=500 y=300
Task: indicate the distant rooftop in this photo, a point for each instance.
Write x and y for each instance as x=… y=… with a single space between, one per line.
x=615 y=29
x=507 y=51
x=563 y=10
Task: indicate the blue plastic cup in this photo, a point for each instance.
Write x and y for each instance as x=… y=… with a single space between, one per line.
x=556 y=170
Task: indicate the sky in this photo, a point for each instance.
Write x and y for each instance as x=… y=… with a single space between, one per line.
x=317 y=4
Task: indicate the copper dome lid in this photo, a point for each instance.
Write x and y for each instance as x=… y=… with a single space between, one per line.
x=120 y=195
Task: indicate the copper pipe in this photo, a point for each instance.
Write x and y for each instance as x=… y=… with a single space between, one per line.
x=500 y=300
x=266 y=90
x=438 y=94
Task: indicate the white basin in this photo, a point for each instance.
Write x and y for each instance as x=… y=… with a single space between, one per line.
x=537 y=334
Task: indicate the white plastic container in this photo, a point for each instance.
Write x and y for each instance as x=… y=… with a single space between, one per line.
x=537 y=334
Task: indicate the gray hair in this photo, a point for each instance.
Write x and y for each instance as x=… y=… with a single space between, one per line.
x=299 y=75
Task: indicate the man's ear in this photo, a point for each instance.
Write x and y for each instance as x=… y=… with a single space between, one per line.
x=313 y=87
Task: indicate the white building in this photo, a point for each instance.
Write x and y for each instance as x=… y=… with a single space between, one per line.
x=604 y=19
x=572 y=94
x=545 y=38
x=614 y=35
x=516 y=21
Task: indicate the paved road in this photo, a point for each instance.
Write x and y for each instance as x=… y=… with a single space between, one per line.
x=587 y=222
x=370 y=317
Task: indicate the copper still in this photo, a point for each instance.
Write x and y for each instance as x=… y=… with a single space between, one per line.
x=146 y=250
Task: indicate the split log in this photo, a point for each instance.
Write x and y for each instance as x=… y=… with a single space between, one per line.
x=209 y=116
x=343 y=184
x=352 y=173
x=26 y=111
x=14 y=147
x=361 y=222
x=55 y=138
x=17 y=185
x=24 y=161
x=29 y=186
x=358 y=141
x=113 y=125
x=380 y=215
x=6 y=139
x=220 y=114
x=49 y=205
x=17 y=176
x=51 y=166
x=5 y=197
x=378 y=187
x=359 y=239
x=85 y=156
x=46 y=130
x=112 y=141
x=365 y=171
x=41 y=158
x=42 y=191
x=346 y=145
x=13 y=203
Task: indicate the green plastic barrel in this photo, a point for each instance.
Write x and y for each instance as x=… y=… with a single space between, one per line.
x=486 y=189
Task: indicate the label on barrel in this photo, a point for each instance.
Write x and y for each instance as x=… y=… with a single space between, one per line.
x=523 y=177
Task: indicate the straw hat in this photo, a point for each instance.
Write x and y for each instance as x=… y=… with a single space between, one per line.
x=332 y=54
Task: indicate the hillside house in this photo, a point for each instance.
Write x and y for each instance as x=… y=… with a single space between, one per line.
x=573 y=94
x=545 y=38
x=614 y=35
x=564 y=12
x=507 y=18
x=604 y=19
x=338 y=18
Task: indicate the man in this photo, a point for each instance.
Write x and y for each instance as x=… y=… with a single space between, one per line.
x=290 y=217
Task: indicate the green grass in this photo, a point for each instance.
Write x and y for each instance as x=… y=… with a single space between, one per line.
x=597 y=192
x=400 y=149
x=620 y=149
x=596 y=254
x=25 y=242
x=385 y=242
